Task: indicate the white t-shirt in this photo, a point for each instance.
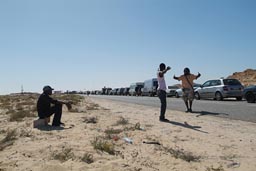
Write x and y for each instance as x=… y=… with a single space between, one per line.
x=161 y=82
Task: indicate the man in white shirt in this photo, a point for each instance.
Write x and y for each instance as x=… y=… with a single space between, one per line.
x=162 y=90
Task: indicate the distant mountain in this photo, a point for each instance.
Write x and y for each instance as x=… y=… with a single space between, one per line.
x=247 y=77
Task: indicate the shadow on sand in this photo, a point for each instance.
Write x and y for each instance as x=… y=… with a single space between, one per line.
x=52 y=128
x=203 y=113
x=186 y=125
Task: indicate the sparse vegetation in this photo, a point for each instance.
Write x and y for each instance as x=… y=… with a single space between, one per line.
x=220 y=168
x=19 y=115
x=122 y=121
x=26 y=132
x=113 y=131
x=102 y=145
x=19 y=106
x=93 y=120
x=133 y=128
x=64 y=155
x=8 y=140
x=73 y=98
x=181 y=154
x=88 y=158
x=92 y=106
x=11 y=135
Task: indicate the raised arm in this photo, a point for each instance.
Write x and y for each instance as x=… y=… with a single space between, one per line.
x=198 y=75
x=161 y=73
x=176 y=78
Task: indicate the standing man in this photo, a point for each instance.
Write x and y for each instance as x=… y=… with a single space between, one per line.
x=162 y=90
x=187 y=87
x=45 y=109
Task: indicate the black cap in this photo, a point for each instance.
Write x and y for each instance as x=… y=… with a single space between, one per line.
x=47 y=88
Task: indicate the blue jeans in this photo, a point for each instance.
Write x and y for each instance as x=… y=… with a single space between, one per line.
x=162 y=97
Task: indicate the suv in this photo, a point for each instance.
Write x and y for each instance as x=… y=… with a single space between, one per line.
x=219 y=89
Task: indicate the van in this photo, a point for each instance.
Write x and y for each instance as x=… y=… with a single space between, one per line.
x=150 y=87
x=135 y=89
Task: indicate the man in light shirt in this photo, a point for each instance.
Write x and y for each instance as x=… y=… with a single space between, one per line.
x=162 y=90
x=187 y=87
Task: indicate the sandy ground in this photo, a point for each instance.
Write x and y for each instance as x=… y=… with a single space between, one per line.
x=188 y=142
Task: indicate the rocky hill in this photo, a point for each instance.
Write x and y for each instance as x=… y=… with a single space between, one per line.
x=247 y=77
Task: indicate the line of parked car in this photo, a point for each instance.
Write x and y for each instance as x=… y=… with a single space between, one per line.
x=217 y=89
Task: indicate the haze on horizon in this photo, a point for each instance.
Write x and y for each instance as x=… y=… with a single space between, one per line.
x=86 y=45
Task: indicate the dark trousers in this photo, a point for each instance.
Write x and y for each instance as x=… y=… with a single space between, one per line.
x=162 y=97
x=57 y=111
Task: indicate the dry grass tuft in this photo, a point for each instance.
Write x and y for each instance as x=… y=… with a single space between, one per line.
x=93 y=120
x=113 y=131
x=92 y=106
x=102 y=145
x=181 y=154
x=122 y=121
x=73 y=98
x=19 y=115
x=64 y=155
x=88 y=158
x=8 y=140
x=220 y=168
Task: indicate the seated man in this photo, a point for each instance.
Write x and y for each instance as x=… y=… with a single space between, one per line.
x=45 y=110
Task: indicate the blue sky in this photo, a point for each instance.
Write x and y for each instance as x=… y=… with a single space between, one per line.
x=88 y=44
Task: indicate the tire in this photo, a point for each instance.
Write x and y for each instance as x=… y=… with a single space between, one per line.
x=239 y=98
x=250 y=97
x=177 y=95
x=197 y=96
x=218 y=96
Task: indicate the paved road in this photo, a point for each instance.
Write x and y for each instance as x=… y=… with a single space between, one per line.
x=240 y=110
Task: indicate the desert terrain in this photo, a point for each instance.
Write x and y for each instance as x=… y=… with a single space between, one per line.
x=95 y=138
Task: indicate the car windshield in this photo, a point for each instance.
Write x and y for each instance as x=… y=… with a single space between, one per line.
x=231 y=82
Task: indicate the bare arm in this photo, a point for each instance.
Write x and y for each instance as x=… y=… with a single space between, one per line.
x=176 y=78
x=198 y=75
x=161 y=74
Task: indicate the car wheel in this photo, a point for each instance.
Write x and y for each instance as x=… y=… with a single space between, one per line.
x=250 y=97
x=239 y=98
x=177 y=95
x=197 y=96
x=218 y=96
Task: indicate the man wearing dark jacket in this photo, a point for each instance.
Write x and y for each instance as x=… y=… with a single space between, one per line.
x=45 y=109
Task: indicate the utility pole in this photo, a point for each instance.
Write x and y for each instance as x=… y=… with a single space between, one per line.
x=22 y=90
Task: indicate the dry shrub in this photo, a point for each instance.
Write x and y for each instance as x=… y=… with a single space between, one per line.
x=102 y=145
x=11 y=135
x=122 y=121
x=64 y=155
x=181 y=154
x=220 y=168
x=113 y=131
x=88 y=158
x=92 y=106
x=26 y=132
x=134 y=127
x=19 y=115
x=73 y=98
x=9 y=139
x=93 y=120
